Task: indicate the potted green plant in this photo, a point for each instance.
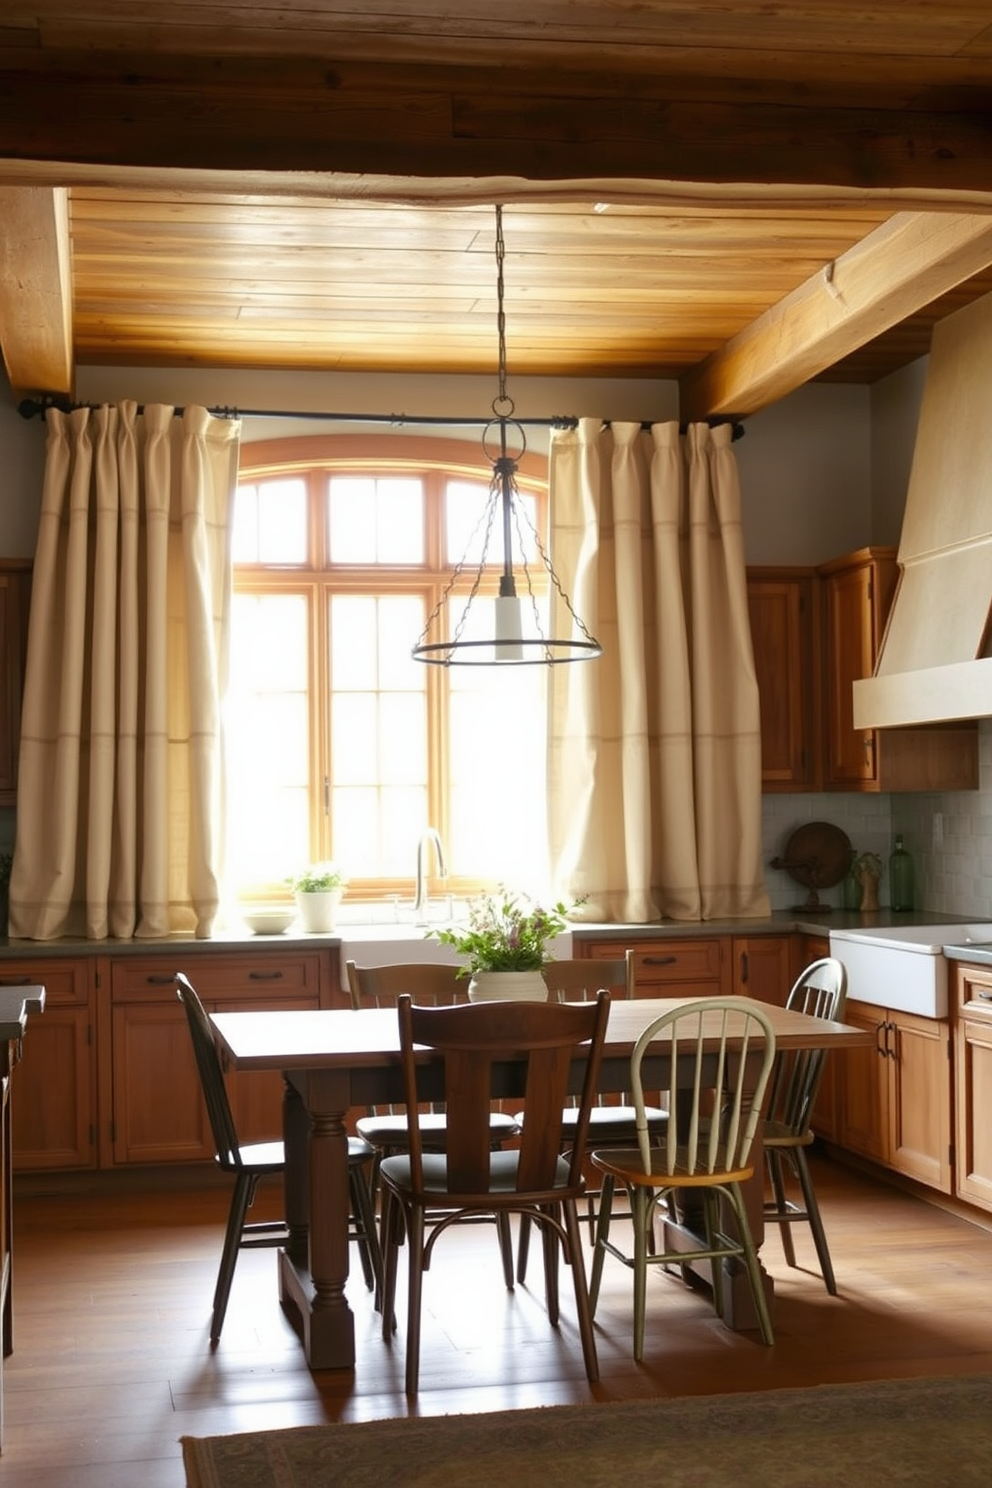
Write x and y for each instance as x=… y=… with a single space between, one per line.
x=505 y=944
x=317 y=891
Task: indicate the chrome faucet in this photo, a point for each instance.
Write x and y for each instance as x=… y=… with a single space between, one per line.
x=431 y=834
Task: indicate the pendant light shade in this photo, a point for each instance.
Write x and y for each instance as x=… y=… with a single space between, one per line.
x=507 y=630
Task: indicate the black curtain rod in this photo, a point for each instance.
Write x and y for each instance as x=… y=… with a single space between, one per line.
x=37 y=407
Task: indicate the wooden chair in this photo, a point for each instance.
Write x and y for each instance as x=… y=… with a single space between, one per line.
x=612 y=1120
x=820 y=991
x=470 y=1177
x=429 y=984
x=251 y=1162
x=714 y=1046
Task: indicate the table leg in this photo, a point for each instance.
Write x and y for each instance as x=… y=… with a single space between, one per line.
x=312 y=1288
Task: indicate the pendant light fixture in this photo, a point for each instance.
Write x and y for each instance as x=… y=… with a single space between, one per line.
x=515 y=633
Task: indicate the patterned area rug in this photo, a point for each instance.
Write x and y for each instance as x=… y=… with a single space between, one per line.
x=920 y=1433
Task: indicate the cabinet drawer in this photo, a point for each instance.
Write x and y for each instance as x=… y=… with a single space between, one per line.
x=66 y=983
x=665 y=966
x=234 y=979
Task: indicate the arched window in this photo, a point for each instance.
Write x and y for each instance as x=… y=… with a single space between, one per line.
x=340 y=745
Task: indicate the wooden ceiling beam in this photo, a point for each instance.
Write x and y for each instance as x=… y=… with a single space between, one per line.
x=35 y=288
x=903 y=265
x=242 y=113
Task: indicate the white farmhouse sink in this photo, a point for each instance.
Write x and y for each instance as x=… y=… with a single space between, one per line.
x=902 y=968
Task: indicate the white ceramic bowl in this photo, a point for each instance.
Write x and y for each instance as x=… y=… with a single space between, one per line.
x=268 y=921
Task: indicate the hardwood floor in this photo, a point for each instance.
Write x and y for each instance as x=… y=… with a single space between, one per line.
x=114 y=1274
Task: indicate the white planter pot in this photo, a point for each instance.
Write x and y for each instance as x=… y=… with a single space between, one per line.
x=507 y=986
x=318 y=910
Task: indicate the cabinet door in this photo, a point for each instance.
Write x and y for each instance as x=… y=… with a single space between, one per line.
x=920 y=1099
x=863 y=1085
x=783 y=615
x=763 y=967
x=159 y=1114
x=973 y=1084
x=54 y=1105
x=857 y=598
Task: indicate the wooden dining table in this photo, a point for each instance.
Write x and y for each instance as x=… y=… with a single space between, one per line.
x=339 y=1061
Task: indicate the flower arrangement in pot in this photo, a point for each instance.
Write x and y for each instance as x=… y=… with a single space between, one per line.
x=506 y=945
x=317 y=891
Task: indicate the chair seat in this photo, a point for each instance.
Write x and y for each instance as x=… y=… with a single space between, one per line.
x=628 y=1166
x=503 y=1168
x=263 y=1156
x=778 y=1134
x=386 y=1131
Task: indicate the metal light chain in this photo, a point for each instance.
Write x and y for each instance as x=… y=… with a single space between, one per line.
x=502 y=403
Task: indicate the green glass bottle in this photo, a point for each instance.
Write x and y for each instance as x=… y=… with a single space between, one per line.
x=901 y=877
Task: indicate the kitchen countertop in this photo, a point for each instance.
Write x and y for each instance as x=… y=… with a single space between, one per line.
x=780 y=922
x=15 y=1005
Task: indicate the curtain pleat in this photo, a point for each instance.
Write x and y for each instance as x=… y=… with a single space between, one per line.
x=654 y=750
x=120 y=821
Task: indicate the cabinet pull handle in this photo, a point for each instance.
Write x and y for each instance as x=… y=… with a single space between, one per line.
x=660 y=960
x=159 y=981
x=881 y=1039
x=985 y=994
x=265 y=976
x=21 y=981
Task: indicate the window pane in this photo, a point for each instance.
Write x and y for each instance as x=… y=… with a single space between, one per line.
x=376 y=519
x=270 y=522
x=465 y=527
x=267 y=728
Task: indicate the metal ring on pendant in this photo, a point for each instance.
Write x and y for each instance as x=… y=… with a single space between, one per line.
x=503 y=424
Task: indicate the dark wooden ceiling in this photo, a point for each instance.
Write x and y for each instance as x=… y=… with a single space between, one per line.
x=738 y=195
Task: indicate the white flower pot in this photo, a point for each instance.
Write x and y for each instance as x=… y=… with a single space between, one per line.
x=507 y=986
x=318 y=910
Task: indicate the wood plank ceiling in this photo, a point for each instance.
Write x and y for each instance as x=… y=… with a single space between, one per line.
x=741 y=196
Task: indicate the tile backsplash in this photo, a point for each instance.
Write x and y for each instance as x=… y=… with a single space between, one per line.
x=949 y=834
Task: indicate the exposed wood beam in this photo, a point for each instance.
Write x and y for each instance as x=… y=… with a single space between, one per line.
x=890 y=274
x=418 y=118
x=35 y=288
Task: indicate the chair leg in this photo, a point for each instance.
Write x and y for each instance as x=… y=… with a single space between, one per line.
x=244 y=1192
x=815 y=1221
x=551 y=1248
x=641 y=1208
x=391 y=1221
x=583 y=1310
x=505 y=1234
x=415 y=1260
x=777 y=1178
x=602 y=1235
x=368 y=1238
x=523 y=1247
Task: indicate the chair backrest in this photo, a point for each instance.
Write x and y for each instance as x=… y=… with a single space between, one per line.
x=472 y=1042
x=429 y=983
x=720 y=1052
x=579 y=979
x=820 y=991
x=211 y=1075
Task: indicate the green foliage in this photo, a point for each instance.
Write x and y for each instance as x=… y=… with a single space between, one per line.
x=505 y=932
x=318 y=878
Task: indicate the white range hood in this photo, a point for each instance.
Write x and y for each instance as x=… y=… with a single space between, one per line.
x=935 y=662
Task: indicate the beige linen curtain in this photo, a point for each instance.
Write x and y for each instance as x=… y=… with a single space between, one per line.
x=655 y=749
x=120 y=798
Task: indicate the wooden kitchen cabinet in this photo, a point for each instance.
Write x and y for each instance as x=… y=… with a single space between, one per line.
x=15 y=589
x=784 y=613
x=895 y=1098
x=763 y=967
x=695 y=967
x=973 y=1084
x=54 y=1117
x=857 y=595
x=158 y=1110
